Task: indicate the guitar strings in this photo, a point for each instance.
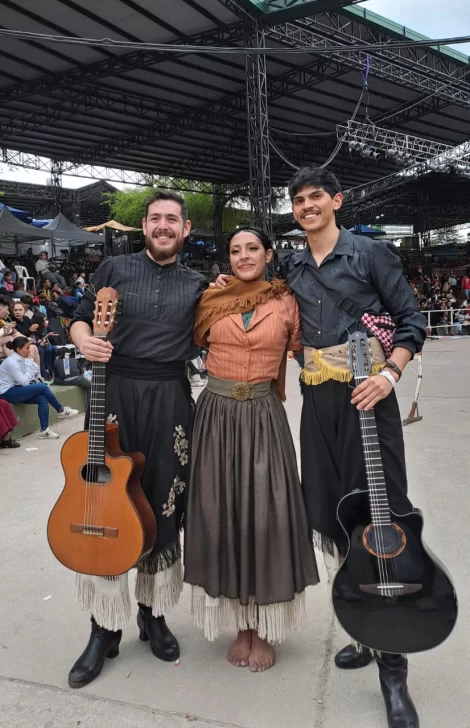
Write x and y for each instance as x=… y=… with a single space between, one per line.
x=373 y=493
x=375 y=504
x=384 y=531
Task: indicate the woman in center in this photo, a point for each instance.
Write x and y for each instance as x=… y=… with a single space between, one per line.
x=248 y=555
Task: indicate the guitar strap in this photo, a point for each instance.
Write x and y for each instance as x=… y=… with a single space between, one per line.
x=342 y=302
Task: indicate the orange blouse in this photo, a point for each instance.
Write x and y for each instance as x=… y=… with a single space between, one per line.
x=255 y=354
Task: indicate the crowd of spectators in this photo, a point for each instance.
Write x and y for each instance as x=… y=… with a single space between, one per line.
x=35 y=312
x=444 y=298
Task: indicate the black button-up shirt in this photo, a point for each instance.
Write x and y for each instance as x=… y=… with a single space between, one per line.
x=367 y=272
x=157 y=306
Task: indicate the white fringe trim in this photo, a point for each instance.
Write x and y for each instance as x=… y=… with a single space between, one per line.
x=162 y=590
x=107 y=601
x=271 y=621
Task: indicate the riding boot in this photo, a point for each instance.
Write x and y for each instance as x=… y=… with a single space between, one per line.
x=349 y=658
x=393 y=671
x=163 y=643
x=102 y=644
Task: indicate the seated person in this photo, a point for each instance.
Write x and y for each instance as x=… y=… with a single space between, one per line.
x=41 y=337
x=7 y=282
x=67 y=372
x=28 y=304
x=24 y=325
x=19 y=291
x=46 y=271
x=20 y=382
x=8 y=422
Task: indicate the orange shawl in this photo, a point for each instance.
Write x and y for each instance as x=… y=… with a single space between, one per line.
x=237 y=297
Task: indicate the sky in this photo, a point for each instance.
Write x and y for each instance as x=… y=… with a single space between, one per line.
x=423 y=16
x=427 y=17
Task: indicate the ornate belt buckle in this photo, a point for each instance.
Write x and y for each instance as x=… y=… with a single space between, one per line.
x=241 y=391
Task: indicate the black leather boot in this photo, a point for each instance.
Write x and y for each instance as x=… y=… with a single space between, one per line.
x=163 y=643
x=102 y=644
x=393 y=671
x=351 y=659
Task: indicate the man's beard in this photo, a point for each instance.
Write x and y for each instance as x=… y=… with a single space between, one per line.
x=160 y=254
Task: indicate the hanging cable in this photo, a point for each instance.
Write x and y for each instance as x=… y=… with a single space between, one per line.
x=337 y=147
x=230 y=50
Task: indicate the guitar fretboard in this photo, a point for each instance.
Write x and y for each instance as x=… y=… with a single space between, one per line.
x=379 y=505
x=97 y=427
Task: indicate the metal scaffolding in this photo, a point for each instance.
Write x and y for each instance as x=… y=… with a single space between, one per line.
x=258 y=133
x=56 y=178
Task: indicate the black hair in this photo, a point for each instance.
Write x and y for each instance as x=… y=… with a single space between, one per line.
x=4 y=301
x=39 y=318
x=7 y=273
x=313 y=177
x=19 y=342
x=260 y=234
x=19 y=285
x=27 y=300
x=168 y=195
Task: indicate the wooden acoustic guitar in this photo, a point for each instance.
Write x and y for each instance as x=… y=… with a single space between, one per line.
x=391 y=594
x=102 y=523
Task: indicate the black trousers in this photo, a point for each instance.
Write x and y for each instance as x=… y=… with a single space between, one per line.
x=332 y=457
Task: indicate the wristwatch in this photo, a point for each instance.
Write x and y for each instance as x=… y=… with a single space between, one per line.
x=391 y=365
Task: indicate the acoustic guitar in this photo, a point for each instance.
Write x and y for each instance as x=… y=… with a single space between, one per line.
x=102 y=523
x=391 y=594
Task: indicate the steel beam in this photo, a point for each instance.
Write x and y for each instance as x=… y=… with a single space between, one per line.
x=117 y=65
x=79 y=100
x=15 y=158
x=223 y=112
x=56 y=176
x=258 y=134
x=423 y=71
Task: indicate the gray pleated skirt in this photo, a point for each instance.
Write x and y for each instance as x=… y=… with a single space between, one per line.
x=248 y=555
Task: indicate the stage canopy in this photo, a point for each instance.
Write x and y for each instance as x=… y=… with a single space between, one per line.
x=111 y=225
x=61 y=229
x=185 y=114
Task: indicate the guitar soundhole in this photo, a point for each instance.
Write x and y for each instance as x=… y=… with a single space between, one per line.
x=385 y=541
x=96 y=474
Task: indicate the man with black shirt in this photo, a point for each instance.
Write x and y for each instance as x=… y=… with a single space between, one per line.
x=370 y=275
x=148 y=394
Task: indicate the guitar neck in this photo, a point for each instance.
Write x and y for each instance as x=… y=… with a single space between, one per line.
x=97 y=426
x=379 y=505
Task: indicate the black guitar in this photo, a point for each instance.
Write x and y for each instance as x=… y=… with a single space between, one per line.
x=391 y=594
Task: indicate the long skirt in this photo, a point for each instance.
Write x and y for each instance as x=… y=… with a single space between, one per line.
x=8 y=421
x=248 y=554
x=155 y=418
x=332 y=457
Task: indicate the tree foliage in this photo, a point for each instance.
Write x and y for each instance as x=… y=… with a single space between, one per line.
x=447 y=236
x=227 y=208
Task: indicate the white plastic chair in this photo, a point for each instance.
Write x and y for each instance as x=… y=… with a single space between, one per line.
x=23 y=275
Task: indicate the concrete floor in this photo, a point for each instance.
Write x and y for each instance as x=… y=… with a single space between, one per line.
x=42 y=631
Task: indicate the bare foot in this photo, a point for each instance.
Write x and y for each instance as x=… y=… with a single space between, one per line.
x=240 y=650
x=261 y=655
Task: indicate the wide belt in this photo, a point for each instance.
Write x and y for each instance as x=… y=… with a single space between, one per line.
x=241 y=391
x=131 y=368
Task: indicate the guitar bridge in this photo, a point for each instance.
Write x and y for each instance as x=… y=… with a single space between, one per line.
x=88 y=530
x=394 y=589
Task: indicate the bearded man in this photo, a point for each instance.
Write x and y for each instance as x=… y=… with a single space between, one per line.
x=148 y=394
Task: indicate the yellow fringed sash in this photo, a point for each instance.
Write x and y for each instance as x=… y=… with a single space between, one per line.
x=331 y=363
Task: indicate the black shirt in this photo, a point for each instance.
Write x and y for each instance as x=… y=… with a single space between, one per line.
x=157 y=305
x=367 y=272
